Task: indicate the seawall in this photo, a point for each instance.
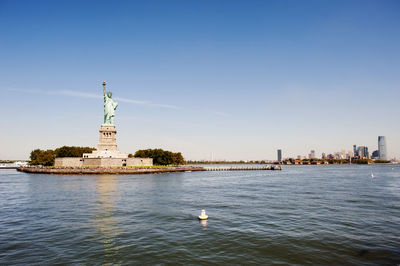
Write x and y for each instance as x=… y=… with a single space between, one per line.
x=136 y=170
x=97 y=171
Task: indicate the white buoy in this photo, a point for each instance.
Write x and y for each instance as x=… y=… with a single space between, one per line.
x=203 y=215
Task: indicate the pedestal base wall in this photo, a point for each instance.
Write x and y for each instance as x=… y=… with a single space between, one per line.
x=68 y=162
x=102 y=162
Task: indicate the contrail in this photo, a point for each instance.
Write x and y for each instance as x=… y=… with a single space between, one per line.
x=96 y=96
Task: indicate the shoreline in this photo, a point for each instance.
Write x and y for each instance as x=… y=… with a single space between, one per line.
x=119 y=171
x=138 y=170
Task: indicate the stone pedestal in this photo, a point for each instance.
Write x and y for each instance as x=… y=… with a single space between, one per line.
x=108 y=139
x=107 y=147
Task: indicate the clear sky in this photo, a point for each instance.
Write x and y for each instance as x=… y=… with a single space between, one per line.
x=239 y=79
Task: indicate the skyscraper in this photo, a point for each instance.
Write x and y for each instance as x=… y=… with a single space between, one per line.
x=355 y=153
x=382 y=148
x=363 y=152
x=279 y=155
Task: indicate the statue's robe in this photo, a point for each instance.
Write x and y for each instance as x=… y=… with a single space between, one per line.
x=109 y=109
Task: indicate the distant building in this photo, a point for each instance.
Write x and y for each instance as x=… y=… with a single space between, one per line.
x=375 y=155
x=323 y=155
x=355 y=151
x=382 y=148
x=362 y=152
x=312 y=154
x=279 y=155
x=350 y=154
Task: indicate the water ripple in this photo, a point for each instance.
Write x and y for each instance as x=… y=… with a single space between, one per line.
x=301 y=215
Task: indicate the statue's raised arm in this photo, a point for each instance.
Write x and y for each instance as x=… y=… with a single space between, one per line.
x=104 y=88
x=109 y=107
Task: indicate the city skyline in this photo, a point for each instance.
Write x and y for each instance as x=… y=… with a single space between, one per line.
x=356 y=151
x=235 y=79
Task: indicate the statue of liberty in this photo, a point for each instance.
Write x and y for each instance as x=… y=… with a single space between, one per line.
x=109 y=107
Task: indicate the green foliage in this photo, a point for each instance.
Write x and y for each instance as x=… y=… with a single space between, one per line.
x=381 y=161
x=161 y=157
x=72 y=151
x=34 y=154
x=360 y=161
x=130 y=155
x=45 y=158
x=7 y=161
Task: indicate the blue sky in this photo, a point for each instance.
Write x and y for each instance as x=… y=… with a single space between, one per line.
x=239 y=79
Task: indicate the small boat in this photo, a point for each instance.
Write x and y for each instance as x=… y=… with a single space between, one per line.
x=372 y=175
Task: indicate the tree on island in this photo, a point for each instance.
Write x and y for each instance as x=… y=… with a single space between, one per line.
x=72 y=151
x=381 y=161
x=46 y=158
x=40 y=157
x=34 y=154
x=161 y=157
x=360 y=161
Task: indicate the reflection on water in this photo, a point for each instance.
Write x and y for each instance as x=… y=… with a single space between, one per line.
x=104 y=220
x=203 y=223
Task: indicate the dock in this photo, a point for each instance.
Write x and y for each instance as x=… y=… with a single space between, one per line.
x=243 y=168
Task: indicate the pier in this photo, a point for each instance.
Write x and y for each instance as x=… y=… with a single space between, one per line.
x=243 y=168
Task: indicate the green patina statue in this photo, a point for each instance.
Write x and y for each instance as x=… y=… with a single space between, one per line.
x=109 y=107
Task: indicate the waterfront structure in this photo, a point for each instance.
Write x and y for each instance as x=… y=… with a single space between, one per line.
x=375 y=154
x=13 y=165
x=382 y=147
x=355 y=151
x=362 y=152
x=349 y=154
x=107 y=153
x=279 y=155
x=311 y=155
x=366 y=152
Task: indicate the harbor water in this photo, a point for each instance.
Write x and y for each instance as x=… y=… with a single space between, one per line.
x=327 y=214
